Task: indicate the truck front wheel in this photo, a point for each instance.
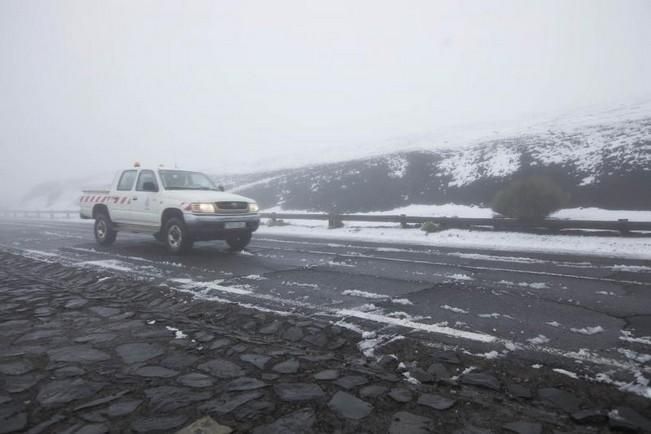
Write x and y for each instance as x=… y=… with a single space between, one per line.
x=176 y=236
x=239 y=241
x=104 y=233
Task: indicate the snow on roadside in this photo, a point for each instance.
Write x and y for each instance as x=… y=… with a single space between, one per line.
x=632 y=248
x=602 y=214
x=473 y=211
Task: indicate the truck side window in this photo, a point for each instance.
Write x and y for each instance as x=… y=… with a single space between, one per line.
x=126 y=180
x=146 y=179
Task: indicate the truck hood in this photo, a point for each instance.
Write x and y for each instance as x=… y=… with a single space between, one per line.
x=205 y=196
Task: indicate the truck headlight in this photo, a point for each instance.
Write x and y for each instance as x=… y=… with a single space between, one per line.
x=253 y=207
x=207 y=208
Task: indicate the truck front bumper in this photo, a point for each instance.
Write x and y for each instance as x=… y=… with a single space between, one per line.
x=214 y=227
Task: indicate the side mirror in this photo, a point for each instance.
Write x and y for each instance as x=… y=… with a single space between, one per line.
x=220 y=187
x=149 y=186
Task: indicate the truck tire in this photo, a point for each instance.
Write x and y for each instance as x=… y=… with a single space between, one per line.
x=104 y=233
x=176 y=236
x=239 y=241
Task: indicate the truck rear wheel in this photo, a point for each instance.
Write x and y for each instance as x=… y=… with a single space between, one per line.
x=239 y=241
x=104 y=233
x=176 y=236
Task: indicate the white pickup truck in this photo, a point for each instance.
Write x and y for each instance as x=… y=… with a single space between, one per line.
x=178 y=207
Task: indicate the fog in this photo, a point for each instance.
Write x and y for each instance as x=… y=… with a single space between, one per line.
x=88 y=87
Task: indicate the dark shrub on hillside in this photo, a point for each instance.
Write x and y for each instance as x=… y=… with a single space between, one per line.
x=531 y=198
x=430 y=227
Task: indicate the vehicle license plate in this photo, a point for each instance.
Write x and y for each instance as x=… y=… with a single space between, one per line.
x=234 y=225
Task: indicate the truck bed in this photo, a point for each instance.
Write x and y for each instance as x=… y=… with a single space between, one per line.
x=90 y=198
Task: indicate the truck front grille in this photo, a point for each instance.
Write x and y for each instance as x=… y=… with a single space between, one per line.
x=232 y=207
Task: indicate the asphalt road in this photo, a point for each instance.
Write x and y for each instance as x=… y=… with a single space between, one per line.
x=589 y=315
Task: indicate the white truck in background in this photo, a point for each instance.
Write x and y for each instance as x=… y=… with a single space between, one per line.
x=178 y=207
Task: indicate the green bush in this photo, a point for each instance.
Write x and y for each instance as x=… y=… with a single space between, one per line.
x=429 y=227
x=530 y=199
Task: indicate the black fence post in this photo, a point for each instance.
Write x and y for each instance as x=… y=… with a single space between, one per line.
x=334 y=221
x=403 y=221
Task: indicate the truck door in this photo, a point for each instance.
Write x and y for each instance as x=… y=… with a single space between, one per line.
x=119 y=200
x=145 y=205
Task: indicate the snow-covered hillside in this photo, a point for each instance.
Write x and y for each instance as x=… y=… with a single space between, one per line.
x=602 y=160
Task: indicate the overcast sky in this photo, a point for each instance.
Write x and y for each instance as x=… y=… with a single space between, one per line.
x=89 y=86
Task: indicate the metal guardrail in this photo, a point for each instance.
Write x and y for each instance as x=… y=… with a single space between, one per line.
x=623 y=226
x=39 y=213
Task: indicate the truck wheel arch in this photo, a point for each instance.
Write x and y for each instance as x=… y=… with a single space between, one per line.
x=168 y=213
x=100 y=209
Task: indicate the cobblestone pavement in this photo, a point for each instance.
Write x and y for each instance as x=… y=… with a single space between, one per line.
x=91 y=352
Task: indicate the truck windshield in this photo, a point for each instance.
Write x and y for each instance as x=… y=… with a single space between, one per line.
x=183 y=180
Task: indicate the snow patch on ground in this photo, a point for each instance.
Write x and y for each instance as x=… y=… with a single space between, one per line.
x=631 y=268
x=490 y=315
x=403 y=301
x=453 y=309
x=206 y=287
x=534 y=285
x=433 y=328
x=299 y=284
x=459 y=276
x=565 y=372
x=110 y=264
x=588 y=330
x=482 y=257
x=374 y=296
x=178 y=333
x=538 y=340
x=364 y=294
x=254 y=277
x=628 y=337
x=634 y=355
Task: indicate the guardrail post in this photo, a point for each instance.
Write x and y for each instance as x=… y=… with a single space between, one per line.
x=334 y=221
x=403 y=221
x=623 y=226
x=273 y=217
